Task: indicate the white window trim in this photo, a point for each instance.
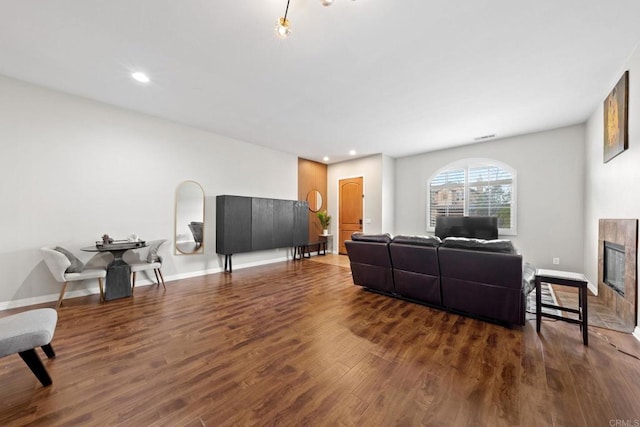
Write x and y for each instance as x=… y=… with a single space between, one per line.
x=466 y=164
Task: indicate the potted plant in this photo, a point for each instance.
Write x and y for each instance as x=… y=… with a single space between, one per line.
x=325 y=221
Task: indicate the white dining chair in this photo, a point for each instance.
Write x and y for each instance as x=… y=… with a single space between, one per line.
x=67 y=268
x=152 y=261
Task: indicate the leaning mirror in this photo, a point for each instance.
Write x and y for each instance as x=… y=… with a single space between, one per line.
x=189 y=230
x=314 y=199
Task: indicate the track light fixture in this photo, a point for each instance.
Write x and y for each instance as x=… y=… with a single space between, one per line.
x=283 y=28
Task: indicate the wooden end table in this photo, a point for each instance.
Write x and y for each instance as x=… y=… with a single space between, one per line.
x=564 y=278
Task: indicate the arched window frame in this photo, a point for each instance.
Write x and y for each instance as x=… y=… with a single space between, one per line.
x=465 y=165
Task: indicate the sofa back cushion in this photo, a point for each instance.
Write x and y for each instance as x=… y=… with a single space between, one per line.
x=497 y=245
x=379 y=238
x=371 y=264
x=496 y=269
x=418 y=254
x=371 y=253
x=430 y=241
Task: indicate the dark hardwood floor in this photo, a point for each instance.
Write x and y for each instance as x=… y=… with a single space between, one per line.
x=296 y=343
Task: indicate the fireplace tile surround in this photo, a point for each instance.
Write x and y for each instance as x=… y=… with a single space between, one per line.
x=623 y=232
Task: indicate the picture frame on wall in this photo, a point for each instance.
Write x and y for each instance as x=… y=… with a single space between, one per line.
x=616 y=119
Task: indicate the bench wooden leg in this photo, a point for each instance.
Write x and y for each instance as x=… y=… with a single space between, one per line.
x=133 y=282
x=48 y=350
x=101 y=289
x=159 y=272
x=34 y=363
x=64 y=288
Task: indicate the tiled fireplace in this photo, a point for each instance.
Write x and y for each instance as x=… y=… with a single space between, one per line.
x=617 y=282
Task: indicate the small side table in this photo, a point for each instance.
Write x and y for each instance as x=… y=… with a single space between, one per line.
x=328 y=239
x=564 y=278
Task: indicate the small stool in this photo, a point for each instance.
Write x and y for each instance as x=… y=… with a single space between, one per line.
x=21 y=333
x=564 y=278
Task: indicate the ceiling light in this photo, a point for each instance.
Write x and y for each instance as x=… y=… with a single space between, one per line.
x=140 y=77
x=352 y=152
x=325 y=159
x=283 y=28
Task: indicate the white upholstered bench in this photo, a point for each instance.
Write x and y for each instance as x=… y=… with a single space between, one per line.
x=21 y=333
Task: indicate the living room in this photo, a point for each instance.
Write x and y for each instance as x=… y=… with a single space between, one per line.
x=74 y=168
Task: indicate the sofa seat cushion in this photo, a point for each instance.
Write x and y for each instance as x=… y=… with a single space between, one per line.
x=497 y=245
x=27 y=330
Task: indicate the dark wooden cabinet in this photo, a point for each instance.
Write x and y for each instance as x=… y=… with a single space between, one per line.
x=246 y=224
x=233 y=224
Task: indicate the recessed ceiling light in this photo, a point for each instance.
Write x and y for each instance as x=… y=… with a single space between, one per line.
x=140 y=77
x=325 y=159
x=352 y=152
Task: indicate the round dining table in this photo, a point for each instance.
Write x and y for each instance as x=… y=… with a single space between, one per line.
x=118 y=281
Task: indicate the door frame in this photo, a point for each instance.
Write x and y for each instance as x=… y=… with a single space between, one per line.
x=336 y=238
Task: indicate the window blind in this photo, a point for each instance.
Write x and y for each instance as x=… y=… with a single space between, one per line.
x=473 y=190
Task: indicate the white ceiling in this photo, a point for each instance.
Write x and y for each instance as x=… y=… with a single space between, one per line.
x=378 y=76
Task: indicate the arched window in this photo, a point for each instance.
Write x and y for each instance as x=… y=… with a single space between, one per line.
x=474 y=187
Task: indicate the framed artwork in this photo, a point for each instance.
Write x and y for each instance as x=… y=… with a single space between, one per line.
x=615 y=119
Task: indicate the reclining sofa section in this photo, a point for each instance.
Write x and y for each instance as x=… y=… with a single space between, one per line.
x=481 y=278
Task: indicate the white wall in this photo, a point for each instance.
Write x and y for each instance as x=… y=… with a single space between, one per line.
x=612 y=189
x=550 y=172
x=388 y=194
x=378 y=174
x=73 y=169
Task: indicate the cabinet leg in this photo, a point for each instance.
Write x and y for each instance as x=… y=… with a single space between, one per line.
x=228 y=267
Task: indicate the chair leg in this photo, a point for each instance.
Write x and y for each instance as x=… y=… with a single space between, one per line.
x=48 y=350
x=161 y=278
x=155 y=271
x=101 y=289
x=133 y=282
x=34 y=363
x=64 y=288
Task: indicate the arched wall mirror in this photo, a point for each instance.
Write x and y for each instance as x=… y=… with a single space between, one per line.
x=314 y=199
x=189 y=230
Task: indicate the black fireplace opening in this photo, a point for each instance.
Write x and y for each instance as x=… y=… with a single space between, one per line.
x=614 y=266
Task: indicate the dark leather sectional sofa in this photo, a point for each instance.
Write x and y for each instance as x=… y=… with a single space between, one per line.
x=480 y=278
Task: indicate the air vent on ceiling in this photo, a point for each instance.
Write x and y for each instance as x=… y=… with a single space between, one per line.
x=484 y=137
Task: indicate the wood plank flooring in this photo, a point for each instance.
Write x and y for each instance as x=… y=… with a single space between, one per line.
x=296 y=343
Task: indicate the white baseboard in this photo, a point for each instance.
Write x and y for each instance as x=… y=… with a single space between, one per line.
x=95 y=290
x=636 y=333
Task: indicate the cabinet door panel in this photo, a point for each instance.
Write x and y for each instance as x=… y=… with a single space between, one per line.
x=300 y=223
x=282 y=223
x=262 y=224
x=233 y=224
